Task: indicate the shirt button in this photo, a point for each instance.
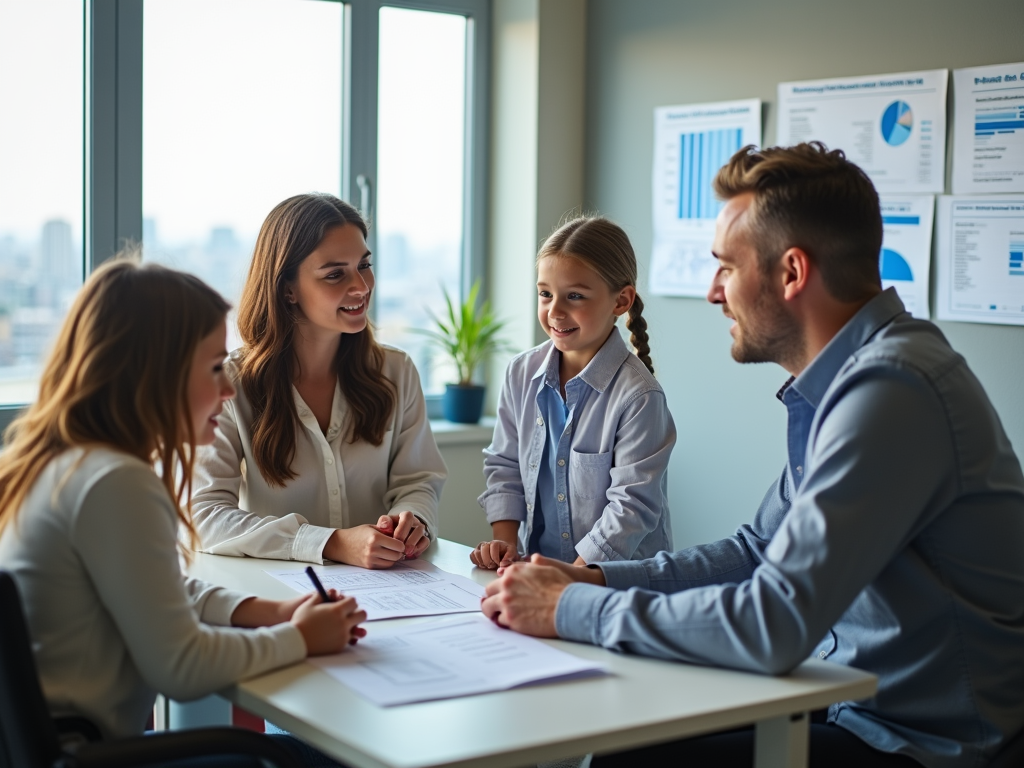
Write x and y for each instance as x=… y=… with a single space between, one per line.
x=561 y=462
x=799 y=470
x=529 y=507
x=334 y=492
x=565 y=535
x=540 y=422
x=822 y=655
x=533 y=466
x=561 y=497
x=330 y=460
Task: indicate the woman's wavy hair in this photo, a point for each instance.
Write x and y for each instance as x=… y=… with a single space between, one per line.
x=604 y=247
x=118 y=377
x=266 y=323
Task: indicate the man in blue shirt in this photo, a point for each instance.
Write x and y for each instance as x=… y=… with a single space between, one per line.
x=893 y=540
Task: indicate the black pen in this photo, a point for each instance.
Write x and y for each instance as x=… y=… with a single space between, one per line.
x=316 y=583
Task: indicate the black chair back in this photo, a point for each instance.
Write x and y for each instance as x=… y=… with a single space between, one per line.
x=28 y=737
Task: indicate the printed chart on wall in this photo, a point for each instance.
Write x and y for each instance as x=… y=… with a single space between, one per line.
x=892 y=126
x=980 y=266
x=691 y=143
x=905 y=261
x=988 y=140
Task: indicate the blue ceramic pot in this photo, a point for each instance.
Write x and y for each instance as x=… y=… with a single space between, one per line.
x=463 y=405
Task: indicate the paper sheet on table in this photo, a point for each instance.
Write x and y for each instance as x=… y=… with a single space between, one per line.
x=691 y=143
x=447 y=658
x=409 y=588
x=988 y=138
x=892 y=126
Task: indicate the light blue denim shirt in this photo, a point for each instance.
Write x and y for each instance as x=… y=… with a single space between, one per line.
x=893 y=542
x=552 y=518
x=612 y=458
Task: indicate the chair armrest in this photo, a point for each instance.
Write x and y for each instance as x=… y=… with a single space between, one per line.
x=158 y=748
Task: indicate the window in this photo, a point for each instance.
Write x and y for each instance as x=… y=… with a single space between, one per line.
x=41 y=263
x=420 y=163
x=181 y=123
x=236 y=117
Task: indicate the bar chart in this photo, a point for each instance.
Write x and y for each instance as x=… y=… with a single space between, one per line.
x=701 y=156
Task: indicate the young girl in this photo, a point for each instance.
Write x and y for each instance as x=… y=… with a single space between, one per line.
x=89 y=527
x=584 y=435
x=326 y=453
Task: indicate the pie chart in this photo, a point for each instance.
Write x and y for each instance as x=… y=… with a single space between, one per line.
x=897 y=121
x=894 y=267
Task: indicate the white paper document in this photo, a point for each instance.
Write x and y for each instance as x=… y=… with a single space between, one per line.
x=980 y=264
x=443 y=659
x=691 y=144
x=409 y=588
x=892 y=126
x=907 y=249
x=988 y=122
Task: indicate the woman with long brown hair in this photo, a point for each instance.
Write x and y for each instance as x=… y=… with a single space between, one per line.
x=326 y=453
x=94 y=484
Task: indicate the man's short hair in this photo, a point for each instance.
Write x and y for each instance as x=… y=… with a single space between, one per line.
x=814 y=199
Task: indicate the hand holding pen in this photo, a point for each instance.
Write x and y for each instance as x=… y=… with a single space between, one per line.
x=328 y=620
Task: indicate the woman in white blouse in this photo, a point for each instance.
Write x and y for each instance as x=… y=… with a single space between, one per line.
x=89 y=527
x=326 y=452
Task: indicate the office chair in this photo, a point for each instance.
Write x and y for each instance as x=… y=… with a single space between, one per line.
x=30 y=738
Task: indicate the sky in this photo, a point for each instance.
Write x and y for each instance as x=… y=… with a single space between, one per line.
x=242 y=108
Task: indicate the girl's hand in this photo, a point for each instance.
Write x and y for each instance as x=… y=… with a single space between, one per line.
x=407 y=528
x=364 y=545
x=329 y=627
x=494 y=554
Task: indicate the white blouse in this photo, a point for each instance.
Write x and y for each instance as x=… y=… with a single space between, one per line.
x=113 y=621
x=338 y=484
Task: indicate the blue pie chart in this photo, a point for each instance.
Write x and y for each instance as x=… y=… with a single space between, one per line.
x=894 y=266
x=897 y=122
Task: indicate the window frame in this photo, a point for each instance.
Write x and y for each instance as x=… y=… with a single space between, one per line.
x=112 y=127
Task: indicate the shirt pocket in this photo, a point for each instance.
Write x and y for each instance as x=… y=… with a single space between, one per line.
x=589 y=474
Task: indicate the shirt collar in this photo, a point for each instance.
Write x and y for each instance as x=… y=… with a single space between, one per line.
x=816 y=377
x=599 y=371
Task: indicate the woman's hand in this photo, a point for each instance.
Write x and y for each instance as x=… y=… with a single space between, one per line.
x=364 y=545
x=407 y=528
x=329 y=627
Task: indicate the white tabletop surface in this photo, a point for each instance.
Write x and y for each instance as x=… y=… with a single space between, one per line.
x=641 y=701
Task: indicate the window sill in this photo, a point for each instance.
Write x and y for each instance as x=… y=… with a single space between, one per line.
x=450 y=433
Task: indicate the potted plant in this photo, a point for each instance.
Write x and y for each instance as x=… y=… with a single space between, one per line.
x=468 y=334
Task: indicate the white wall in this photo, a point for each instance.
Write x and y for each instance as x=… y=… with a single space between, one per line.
x=646 y=53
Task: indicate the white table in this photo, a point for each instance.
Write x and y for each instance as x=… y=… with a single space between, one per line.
x=641 y=702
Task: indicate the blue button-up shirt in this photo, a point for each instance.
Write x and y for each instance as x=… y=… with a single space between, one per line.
x=552 y=527
x=614 y=451
x=893 y=542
